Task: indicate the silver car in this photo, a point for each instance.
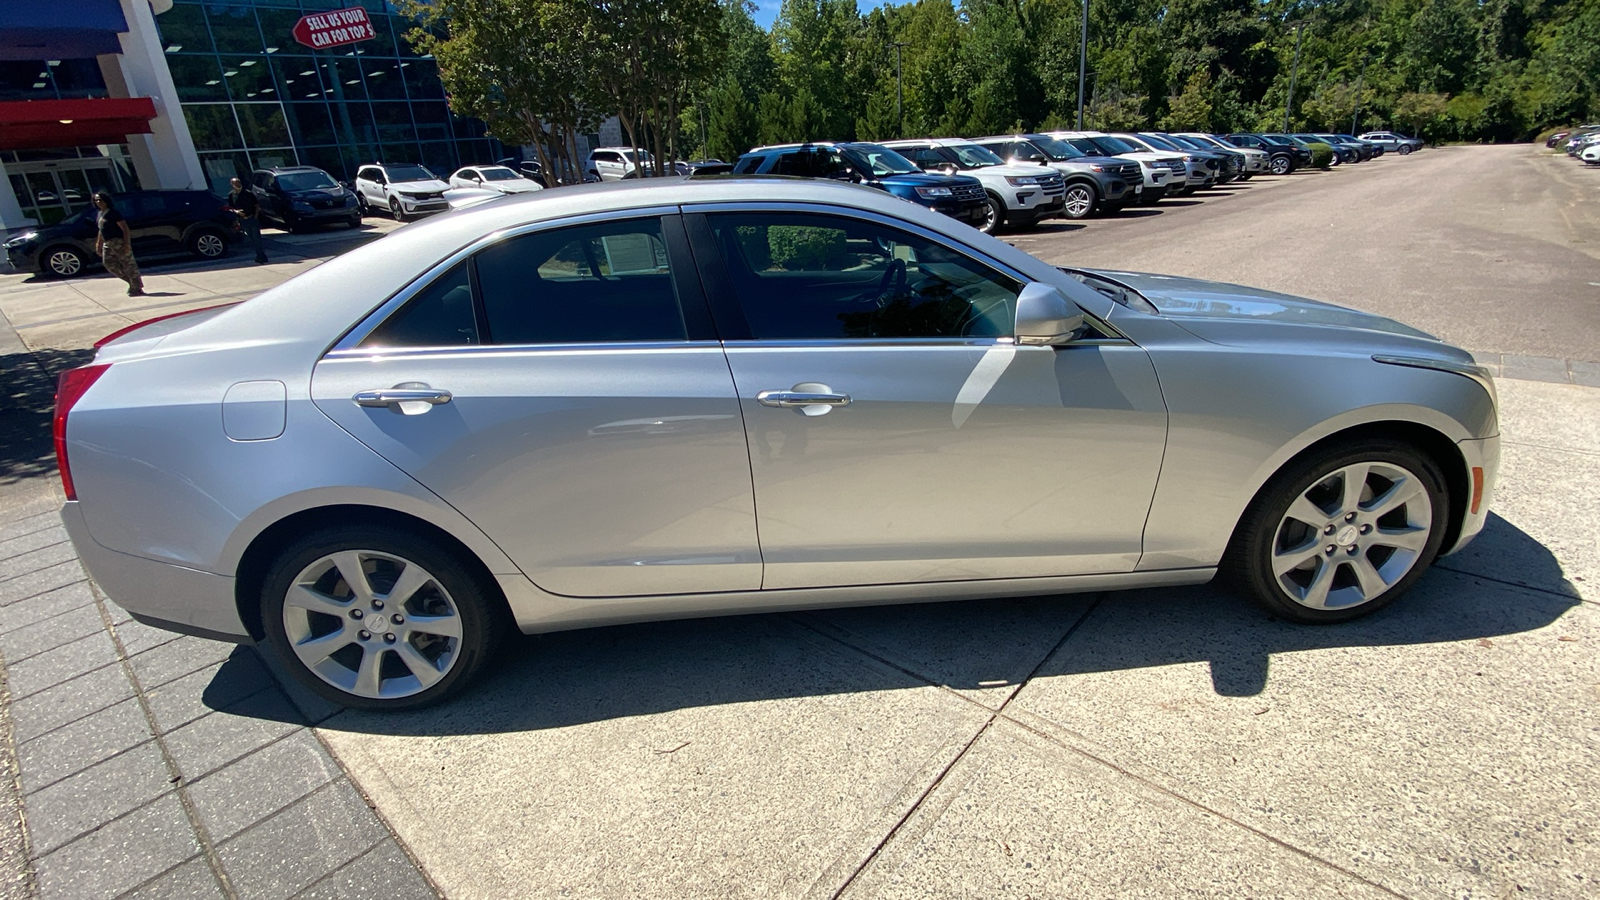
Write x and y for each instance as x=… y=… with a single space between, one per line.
x=675 y=398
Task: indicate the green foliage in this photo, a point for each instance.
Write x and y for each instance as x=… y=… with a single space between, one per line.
x=795 y=247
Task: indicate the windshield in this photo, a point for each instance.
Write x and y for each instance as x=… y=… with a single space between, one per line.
x=878 y=159
x=1113 y=146
x=498 y=173
x=1208 y=143
x=1160 y=143
x=1055 y=149
x=972 y=156
x=408 y=173
x=306 y=181
x=1189 y=143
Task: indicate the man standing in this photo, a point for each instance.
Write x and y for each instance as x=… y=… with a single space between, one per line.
x=244 y=203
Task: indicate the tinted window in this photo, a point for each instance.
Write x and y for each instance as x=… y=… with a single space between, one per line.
x=747 y=164
x=814 y=162
x=607 y=282
x=827 y=277
x=438 y=316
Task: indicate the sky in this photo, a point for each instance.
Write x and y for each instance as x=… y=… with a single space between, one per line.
x=767 y=10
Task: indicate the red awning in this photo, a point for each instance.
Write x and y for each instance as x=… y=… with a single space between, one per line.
x=38 y=124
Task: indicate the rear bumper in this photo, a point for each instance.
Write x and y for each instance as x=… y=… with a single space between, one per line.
x=173 y=597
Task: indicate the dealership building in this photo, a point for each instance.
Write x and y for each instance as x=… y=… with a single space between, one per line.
x=185 y=94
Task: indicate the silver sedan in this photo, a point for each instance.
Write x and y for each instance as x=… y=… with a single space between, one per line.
x=675 y=398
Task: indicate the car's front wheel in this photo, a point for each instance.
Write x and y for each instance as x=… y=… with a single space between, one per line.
x=1280 y=165
x=374 y=617
x=1341 y=533
x=396 y=210
x=1079 y=201
x=1403 y=149
x=62 y=262
x=994 y=215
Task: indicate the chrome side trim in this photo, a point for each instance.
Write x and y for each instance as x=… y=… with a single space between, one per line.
x=494 y=350
x=356 y=335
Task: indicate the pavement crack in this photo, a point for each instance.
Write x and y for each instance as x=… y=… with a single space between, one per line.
x=1516 y=584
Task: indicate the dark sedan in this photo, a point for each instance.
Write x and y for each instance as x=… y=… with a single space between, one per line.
x=160 y=223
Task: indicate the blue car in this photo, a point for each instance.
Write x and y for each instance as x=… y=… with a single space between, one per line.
x=874 y=165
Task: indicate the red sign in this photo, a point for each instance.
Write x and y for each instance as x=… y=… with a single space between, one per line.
x=321 y=31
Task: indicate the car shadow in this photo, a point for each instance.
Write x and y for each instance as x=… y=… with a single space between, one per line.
x=27 y=381
x=1135 y=212
x=1050 y=228
x=579 y=677
x=1181 y=202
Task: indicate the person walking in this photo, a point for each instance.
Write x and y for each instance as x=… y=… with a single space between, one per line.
x=115 y=245
x=248 y=208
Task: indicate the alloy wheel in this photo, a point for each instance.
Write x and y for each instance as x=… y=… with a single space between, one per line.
x=993 y=215
x=64 y=263
x=372 y=624
x=209 y=245
x=1280 y=165
x=1079 y=201
x=1351 y=536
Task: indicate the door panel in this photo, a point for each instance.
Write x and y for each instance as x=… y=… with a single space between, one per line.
x=952 y=462
x=601 y=471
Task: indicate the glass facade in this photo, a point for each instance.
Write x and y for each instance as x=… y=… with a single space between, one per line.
x=255 y=97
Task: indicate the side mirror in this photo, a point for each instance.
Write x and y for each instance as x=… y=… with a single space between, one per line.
x=1045 y=317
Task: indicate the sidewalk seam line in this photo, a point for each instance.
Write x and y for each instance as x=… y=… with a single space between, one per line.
x=1526 y=587
x=174 y=774
x=158 y=876
x=123 y=752
x=302 y=892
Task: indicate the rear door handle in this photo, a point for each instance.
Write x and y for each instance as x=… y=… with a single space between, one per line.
x=410 y=400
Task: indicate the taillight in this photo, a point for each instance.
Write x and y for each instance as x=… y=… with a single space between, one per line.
x=70 y=388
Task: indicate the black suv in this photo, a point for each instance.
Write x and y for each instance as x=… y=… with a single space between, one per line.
x=303 y=195
x=957 y=196
x=160 y=223
x=1283 y=156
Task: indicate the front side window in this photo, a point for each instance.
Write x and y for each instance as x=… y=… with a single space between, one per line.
x=584 y=284
x=819 y=277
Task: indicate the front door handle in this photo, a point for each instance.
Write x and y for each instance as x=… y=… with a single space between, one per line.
x=409 y=399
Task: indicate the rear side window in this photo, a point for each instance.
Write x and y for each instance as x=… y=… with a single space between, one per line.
x=748 y=164
x=815 y=162
x=586 y=284
x=438 y=316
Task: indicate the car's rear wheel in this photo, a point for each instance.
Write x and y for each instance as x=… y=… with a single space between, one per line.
x=1280 y=165
x=994 y=215
x=208 y=243
x=1079 y=201
x=1341 y=533
x=62 y=262
x=374 y=617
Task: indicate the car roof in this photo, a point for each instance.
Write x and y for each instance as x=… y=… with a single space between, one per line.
x=281 y=170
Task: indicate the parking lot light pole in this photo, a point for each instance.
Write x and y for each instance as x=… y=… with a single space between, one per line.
x=1294 y=72
x=899 y=93
x=1360 y=83
x=1083 y=61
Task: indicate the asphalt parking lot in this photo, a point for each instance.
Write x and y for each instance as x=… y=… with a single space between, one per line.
x=1159 y=743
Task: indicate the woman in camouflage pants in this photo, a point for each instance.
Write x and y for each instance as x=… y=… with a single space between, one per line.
x=114 y=244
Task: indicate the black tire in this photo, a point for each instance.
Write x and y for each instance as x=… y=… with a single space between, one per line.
x=994 y=216
x=1248 y=562
x=354 y=221
x=396 y=210
x=208 y=243
x=1404 y=150
x=1281 y=165
x=1081 y=195
x=361 y=204
x=62 y=261
x=483 y=617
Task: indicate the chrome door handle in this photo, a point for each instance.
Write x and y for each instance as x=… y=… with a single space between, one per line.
x=801 y=398
x=392 y=397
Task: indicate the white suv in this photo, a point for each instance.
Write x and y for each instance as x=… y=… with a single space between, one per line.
x=1163 y=172
x=1018 y=195
x=404 y=189
x=616 y=163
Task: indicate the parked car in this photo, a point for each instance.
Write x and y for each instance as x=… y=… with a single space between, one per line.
x=1116 y=182
x=1390 y=140
x=701 y=167
x=1283 y=157
x=617 y=163
x=530 y=169
x=1018 y=195
x=1556 y=138
x=160 y=223
x=1163 y=172
x=406 y=190
x=1360 y=151
x=297 y=196
x=1322 y=155
x=493 y=178
x=1232 y=161
x=583 y=408
x=959 y=196
x=1202 y=168
x=1256 y=161
x=1591 y=154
